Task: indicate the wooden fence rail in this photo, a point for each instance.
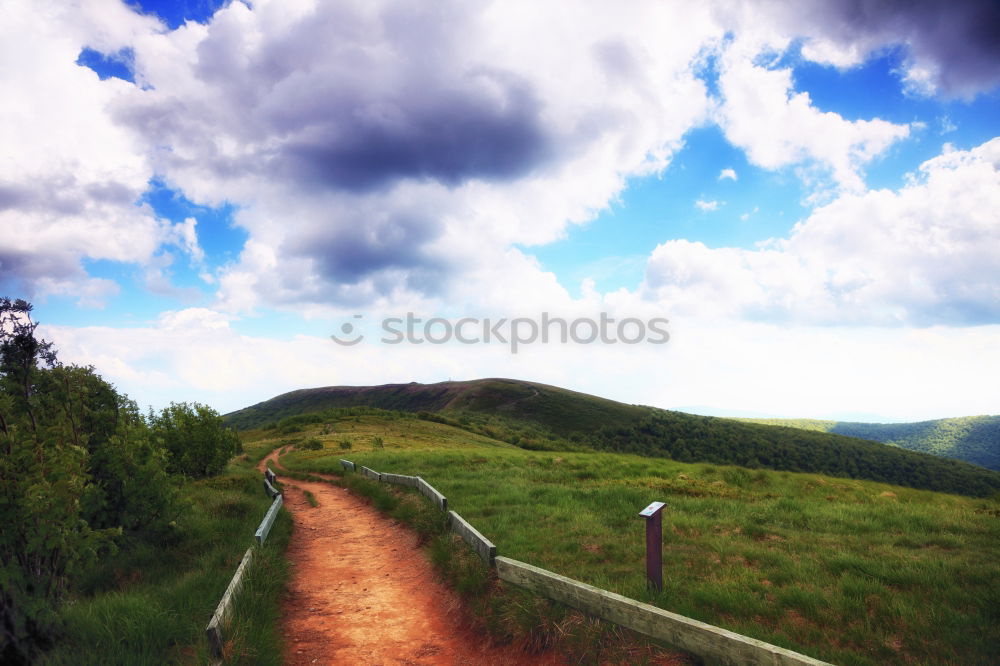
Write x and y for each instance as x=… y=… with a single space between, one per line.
x=221 y=615
x=431 y=493
x=399 y=479
x=483 y=546
x=265 y=525
x=220 y=618
x=707 y=641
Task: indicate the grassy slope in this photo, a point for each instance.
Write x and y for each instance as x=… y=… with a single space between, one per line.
x=560 y=410
x=852 y=572
x=537 y=416
x=151 y=606
x=974 y=439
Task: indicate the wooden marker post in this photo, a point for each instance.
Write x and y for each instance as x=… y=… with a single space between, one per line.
x=654 y=544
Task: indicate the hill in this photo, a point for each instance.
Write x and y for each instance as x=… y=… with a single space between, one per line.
x=974 y=439
x=539 y=416
x=559 y=411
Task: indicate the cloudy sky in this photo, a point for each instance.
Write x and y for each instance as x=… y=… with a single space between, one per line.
x=196 y=195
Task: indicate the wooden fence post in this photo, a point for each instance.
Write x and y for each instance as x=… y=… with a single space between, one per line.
x=654 y=544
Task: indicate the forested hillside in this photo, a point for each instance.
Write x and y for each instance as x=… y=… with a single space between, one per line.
x=974 y=439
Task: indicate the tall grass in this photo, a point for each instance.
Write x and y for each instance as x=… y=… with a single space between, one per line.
x=150 y=605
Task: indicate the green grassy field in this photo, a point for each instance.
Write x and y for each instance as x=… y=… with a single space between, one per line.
x=849 y=571
x=151 y=606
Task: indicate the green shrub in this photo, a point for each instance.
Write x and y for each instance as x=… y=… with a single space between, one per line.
x=198 y=444
x=311 y=444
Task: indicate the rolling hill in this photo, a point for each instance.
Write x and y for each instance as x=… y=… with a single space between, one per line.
x=974 y=439
x=539 y=416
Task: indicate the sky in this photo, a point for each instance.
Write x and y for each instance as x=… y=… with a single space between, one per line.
x=759 y=208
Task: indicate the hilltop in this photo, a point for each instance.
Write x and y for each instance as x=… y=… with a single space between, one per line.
x=542 y=417
x=561 y=411
x=974 y=439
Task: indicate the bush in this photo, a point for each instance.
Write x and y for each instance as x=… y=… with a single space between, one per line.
x=198 y=444
x=345 y=444
x=311 y=444
x=377 y=443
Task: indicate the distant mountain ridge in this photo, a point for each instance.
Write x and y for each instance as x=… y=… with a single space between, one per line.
x=974 y=439
x=539 y=416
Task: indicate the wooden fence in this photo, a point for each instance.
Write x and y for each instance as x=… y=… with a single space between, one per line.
x=220 y=619
x=221 y=616
x=269 y=517
x=705 y=640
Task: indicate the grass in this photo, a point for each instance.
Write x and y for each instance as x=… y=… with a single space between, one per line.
x=151 y=605
x=848 y=571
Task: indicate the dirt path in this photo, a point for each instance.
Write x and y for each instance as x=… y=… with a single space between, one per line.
x=362 y=592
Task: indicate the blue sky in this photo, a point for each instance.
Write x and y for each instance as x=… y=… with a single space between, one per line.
x=764 y=176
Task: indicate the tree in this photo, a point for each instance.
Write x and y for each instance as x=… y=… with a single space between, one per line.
x=197 y=442
x=78 y=471
x=43 y=473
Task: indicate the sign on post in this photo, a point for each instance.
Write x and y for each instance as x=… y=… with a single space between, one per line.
x=654 y=544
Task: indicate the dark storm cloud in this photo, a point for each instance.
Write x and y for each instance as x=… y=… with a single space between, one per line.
x=63 y=195
x=961 y=37
x=342 y=100
x=347 y=254
x=21 y=270
x=449 y=136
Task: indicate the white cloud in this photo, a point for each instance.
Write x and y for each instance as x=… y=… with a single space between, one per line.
x=727 y=173
x=70 y=176
x=925 y=254
x=706 y=205
x=339 y=166
x=337 y=218
x=778 y=127
x=185 y=235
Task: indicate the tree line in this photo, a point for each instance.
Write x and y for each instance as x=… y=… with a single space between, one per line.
x=83 y=473
x=690 y=438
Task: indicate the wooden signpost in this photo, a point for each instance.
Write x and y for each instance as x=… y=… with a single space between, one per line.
x=654 y=544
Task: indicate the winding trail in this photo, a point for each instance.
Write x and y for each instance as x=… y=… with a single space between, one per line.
x=362 y=592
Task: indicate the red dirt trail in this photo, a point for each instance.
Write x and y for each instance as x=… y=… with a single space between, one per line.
x=362 y=592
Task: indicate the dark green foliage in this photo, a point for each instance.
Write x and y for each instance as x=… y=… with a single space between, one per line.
x=79 y=477
x=311 y=444
x=690 y=438
x=540 y=417
x=197 y=442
